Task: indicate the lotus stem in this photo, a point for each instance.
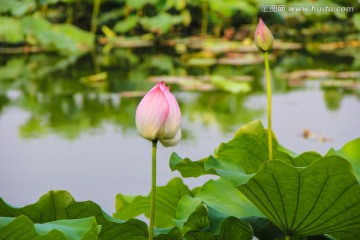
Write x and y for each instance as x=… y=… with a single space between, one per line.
x=95 y=14
x=268 y=84
x=204 y=20
x=153 y=190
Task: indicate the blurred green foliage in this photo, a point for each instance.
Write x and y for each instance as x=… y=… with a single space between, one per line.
x=64 y=25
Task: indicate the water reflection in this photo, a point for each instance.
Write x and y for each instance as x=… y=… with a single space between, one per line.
x=51 y=89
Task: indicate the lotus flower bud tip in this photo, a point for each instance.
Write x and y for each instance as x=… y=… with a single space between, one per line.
x=263 y=38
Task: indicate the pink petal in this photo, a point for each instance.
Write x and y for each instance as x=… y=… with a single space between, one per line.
x=263 y=37
x=173 y=120
x=260 y=30
x=152 y=113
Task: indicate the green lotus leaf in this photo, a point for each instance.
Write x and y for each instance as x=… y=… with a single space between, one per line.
x=244 y=154
x=228 y=201
x=231 y=229
x=193 y=218
x=323 y=197
x=167 y=233
x=191 y=214
x=351 y=152
x=60 y=205
x=248 y=150
x=188 y=168
x=231 y=202
x=22 y=228
x=196 y=235
x=167 y=199
x=221 y=205
x=198 y=220
x=304 y=195
x=263 y=228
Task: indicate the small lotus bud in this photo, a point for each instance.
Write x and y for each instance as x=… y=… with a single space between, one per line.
x=263 y=38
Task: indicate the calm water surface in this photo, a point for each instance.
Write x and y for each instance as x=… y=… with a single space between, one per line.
x=50 y=139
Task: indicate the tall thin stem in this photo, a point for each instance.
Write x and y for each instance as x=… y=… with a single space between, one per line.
x=204 y=20
x=153 y=189
x=95 y=14
x=287 y=237
x=268 y=84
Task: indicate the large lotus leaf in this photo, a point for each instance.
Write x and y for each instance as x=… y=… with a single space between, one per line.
x=304 y=201
x=188 y=168
x=231 y=170
x=22 y=228
x=221 y=204
x=193 y=218
x=60 y=205
x=167 y=199
x=191 y=214
x=198 y=220
x=350 y=151
x=263 y=228
x=168 y=233
x=50 y=207
x=231 y=229
x=228 y=201
x=197 y=235
x=248 y=150
x=242 y=156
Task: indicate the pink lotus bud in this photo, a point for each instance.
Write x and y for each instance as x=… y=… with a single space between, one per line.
x=263 y=37
x=158 y=116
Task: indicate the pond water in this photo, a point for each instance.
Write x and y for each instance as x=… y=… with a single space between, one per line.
x=61 y=131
